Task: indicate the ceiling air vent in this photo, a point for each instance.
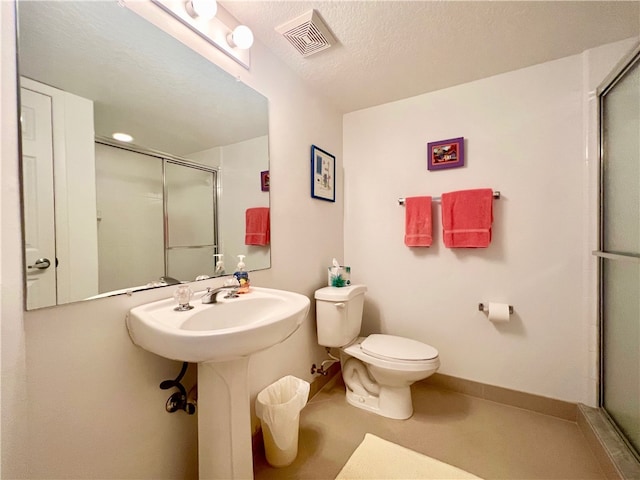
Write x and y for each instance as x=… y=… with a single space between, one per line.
x=307 y=33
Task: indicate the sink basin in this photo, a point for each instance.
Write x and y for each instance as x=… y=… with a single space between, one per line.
x=228 y=329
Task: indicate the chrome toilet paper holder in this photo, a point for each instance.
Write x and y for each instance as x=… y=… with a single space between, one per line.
x=483 y=308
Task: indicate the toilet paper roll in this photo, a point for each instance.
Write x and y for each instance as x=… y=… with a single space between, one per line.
x=498 y=312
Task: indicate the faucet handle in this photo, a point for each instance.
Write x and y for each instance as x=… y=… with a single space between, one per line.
x=182 y=295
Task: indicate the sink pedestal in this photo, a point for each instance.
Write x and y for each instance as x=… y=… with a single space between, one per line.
x=224 y=420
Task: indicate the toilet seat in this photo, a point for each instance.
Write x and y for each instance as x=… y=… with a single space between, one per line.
x=377 y=356
x=397 y=348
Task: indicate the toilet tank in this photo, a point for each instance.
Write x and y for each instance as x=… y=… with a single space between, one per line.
x=339 y=314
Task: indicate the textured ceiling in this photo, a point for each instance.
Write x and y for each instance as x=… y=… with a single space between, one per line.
x=389 y=50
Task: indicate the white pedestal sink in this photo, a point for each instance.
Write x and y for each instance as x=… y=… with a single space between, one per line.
x=220 y=337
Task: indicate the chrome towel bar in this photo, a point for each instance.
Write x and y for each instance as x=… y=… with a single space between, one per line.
x=496 y=195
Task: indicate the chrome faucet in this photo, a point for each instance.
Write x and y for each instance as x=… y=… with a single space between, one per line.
x=211 y=294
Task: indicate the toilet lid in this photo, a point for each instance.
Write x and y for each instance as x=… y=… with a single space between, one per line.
x=399 y=348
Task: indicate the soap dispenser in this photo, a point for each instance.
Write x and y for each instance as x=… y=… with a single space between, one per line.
x=242 y=276
x=219 y=263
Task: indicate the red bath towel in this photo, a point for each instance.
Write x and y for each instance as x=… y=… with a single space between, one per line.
x=258 y=230
x=467 y=216
x=418 y=226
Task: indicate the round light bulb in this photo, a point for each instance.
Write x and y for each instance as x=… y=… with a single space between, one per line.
x=122 y=137
x=205 y=9
x=241 y=37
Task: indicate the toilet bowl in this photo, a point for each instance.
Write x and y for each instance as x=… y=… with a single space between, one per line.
x=378 y=370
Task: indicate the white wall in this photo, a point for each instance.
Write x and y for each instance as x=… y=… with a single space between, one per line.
x=525 y=137
x=94 y=409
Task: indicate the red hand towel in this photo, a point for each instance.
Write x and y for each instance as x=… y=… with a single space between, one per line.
x=418 y=227
x=258 y=230
x=467 y=216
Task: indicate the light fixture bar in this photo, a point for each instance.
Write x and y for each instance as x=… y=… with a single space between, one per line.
x=215 y=31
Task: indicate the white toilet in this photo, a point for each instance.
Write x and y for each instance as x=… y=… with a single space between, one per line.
x=378 y=370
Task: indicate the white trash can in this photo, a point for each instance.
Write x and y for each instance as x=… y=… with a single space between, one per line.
x=278 y=408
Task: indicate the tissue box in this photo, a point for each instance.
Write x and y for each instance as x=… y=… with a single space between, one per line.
x=339 y=276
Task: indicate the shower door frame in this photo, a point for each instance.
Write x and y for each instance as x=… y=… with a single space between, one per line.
x=618 y=73
x=165 y=158
x=165 y=206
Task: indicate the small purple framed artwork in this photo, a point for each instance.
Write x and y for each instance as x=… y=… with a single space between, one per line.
x=445 y=154
x=264 y=181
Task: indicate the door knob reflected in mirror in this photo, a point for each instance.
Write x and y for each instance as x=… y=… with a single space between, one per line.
x=41 y=264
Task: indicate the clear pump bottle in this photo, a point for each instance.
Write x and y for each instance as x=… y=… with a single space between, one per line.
x=219 y=263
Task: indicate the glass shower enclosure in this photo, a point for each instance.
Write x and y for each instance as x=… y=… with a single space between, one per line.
x=158 y=217
x=619 y=253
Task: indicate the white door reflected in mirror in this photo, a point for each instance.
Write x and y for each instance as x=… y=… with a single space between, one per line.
x=37 y=178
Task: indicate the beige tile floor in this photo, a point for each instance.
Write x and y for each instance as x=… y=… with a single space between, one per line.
x=488 y=439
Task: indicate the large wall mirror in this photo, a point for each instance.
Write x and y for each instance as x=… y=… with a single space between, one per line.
x=102 y=216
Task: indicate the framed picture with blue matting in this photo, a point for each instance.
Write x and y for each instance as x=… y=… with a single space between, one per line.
x=323 y=174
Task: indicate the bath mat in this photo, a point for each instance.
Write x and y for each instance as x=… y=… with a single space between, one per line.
x=376 y=458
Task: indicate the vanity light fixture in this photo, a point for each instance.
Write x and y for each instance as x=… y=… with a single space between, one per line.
x=219 y=28
x=204 y=9
x=241 y=37
x=122 y=137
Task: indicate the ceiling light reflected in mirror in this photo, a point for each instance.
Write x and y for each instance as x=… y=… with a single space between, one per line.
x=122 y=137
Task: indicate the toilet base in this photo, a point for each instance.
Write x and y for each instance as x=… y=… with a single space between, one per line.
x=392 y=402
